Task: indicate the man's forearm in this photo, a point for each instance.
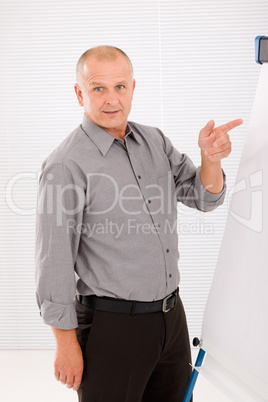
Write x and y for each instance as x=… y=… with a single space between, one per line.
x=64 y=337
x=68 y=364
x=211 y=175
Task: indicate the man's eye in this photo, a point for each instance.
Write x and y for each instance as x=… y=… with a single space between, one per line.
x=98 y=89
x=120 y=86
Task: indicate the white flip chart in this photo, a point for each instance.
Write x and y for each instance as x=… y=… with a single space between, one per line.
x=235 y=324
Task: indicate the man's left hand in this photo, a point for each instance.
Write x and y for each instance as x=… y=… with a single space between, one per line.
x=214 y=141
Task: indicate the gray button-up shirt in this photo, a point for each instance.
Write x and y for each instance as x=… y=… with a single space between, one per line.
x=106 y=219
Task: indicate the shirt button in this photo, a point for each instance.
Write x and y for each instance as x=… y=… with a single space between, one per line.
x=167 y=250
x=149 y=201
x=139 y=177
x=170 y=275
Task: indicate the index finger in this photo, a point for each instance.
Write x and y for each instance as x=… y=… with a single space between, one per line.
x=77 y=382
x=70 y=381
x=229 y=126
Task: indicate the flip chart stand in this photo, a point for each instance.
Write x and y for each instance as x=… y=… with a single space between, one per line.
x=261 y=56
x=194 y=376
x=261 y=49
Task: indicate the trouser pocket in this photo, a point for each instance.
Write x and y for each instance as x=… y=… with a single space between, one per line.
x=85 y=317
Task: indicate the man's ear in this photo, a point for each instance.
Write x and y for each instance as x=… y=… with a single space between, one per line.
x=133 y=87
x=79 y=94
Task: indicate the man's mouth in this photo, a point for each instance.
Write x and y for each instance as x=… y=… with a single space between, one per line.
x=111 y=111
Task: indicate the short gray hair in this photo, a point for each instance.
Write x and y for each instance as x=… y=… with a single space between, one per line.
x=102 y=53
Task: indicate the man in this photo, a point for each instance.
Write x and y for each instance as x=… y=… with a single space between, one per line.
x=106 y=241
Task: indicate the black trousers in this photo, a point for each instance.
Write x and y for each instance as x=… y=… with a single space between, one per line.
x=133 y=358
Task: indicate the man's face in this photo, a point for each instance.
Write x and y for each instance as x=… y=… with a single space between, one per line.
x=106 y=93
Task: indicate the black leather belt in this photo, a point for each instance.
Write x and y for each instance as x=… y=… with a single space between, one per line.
x=127 y=306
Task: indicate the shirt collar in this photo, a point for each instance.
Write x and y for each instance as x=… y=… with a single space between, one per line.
x=101 y=137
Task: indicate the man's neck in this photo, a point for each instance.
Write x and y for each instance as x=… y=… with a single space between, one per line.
x=115 y=132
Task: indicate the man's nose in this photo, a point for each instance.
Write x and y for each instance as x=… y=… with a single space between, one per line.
x=112 y=98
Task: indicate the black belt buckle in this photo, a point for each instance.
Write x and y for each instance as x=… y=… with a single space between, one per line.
x=164 y=304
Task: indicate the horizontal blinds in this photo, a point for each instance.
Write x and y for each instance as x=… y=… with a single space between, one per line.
x=193 y=61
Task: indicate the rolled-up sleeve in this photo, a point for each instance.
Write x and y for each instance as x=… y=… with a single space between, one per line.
x=60 y=205
x=189 y=188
